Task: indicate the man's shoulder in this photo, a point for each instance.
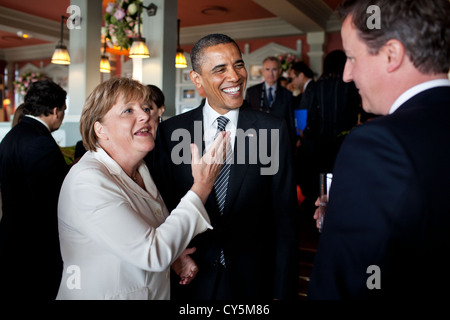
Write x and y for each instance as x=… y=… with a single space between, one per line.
x=182 y=119
x=255 y=87
x=285 y=91
x=261 y=119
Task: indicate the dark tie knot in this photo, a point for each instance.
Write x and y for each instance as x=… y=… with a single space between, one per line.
x=222 y=123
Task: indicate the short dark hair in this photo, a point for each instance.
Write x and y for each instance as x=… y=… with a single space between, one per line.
x=301 y=67
x=422 y=26
x=334 y=63
x=42 y=97
x=156 y=95
x=210 y=40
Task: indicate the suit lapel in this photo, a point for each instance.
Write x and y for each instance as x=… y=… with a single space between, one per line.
x=196 y=131
x=239 y=170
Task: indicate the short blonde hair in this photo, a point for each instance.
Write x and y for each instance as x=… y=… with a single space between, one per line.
x=102 y=99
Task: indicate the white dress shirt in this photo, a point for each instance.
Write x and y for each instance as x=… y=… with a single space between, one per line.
x=408 y=94
x=210 y=124
x=117 y=239
x=38 y=119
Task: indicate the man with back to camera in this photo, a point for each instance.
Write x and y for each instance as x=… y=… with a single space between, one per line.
x=386 y=230
x=32 y=170
x=251 y=252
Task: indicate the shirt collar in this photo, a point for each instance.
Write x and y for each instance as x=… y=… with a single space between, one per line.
x=306 y=84
x=210 y=115
x=408 y=94
x=274 y=87
x=40 y=120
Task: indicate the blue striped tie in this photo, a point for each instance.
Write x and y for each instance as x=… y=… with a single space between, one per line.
x=221 y=184
x=270 y=97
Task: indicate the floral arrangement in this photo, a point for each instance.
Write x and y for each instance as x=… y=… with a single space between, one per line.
x=23 y=82
x=121 y=23
x=287 y=60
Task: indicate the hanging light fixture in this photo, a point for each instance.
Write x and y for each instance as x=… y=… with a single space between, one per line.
x=105 y=66
x=61 y=56
x=138 y=47
x=180 y=60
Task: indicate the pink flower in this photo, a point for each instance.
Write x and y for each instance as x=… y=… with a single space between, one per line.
x=110 y=7
x=119 y=14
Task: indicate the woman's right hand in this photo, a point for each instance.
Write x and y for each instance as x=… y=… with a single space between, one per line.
x=205 y=170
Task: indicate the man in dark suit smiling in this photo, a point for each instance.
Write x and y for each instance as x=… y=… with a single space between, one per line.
x=251 y=252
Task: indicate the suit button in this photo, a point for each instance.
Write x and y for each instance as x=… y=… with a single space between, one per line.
x=158 y=211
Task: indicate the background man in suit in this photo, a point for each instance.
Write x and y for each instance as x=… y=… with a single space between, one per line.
x=32 y=169
x=251 y=252
x=302 y=78
x=271 y=97
x=388 y=218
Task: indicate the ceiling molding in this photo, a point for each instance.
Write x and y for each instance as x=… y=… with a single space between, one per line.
x=334 y=23
x=40 y=28
x=39 y=51
x=238 y=30
x=306 y=15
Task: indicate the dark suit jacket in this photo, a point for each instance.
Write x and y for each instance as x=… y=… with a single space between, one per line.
x=32 y=169
x=282 y=107
x=389 y=207
x=257 y=230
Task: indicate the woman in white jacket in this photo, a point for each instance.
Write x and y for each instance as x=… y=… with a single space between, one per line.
x=117 y=238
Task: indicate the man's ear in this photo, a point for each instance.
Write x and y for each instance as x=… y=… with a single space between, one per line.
x=100 y=131
x=195 y=78
x=395 y=54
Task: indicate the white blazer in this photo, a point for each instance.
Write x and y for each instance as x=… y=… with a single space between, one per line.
x=117 y=239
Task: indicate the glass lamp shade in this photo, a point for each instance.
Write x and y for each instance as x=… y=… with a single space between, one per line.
x=105 y=67
x=61 y=56
x=180 y=60
x=139 y=49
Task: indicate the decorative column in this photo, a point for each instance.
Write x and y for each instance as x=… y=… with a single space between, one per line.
x=160 y=32
x=316 y=41
x=84 y=72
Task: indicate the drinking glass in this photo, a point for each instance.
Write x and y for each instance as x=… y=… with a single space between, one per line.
x=324 y=184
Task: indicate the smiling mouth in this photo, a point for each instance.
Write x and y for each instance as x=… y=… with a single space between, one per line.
x=143 y=130
x=232 y=90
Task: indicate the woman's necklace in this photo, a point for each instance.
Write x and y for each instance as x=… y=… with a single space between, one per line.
x=134 y=177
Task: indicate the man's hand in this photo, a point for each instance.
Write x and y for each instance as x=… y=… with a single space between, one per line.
x=185 y=266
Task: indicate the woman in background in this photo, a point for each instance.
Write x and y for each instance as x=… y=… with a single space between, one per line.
x=157 y=97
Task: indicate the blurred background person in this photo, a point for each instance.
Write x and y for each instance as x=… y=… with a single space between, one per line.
x=334 y=109
x=18 y=115
x=271 y=97
x=157 y=96
x=302 y=79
